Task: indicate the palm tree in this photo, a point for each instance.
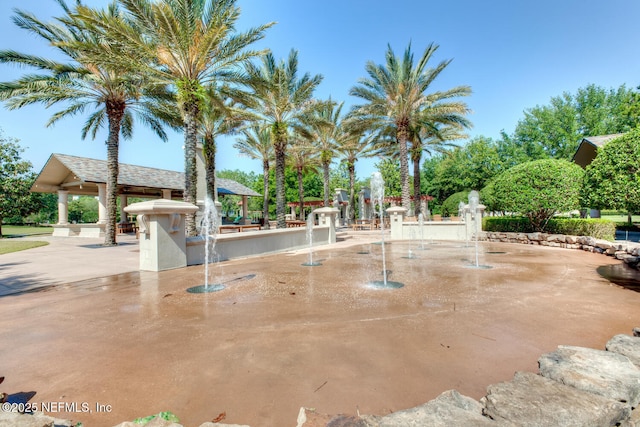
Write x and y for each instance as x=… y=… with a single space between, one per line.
x=429 y=140
x=256 y=144
x=354 y=147
x=284 y=101
x=326 y=130
x=222 y=114
x=304 y=158
x=396 y=95
x=115 y=93
x=189 y=44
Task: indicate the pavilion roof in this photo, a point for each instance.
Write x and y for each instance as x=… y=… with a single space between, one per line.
x=74 y=173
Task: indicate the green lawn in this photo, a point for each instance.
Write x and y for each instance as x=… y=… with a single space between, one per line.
x=621 y=218
x=15 y=245
x=25 y=230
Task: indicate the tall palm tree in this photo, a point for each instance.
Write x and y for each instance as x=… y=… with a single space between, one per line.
x=189 y=44
x=256 y=144
x=304 y=158
x=354 y=147
x=115 y=93
x=283 y=100
x=326 y=130
x=396 y=95
x=222 y=114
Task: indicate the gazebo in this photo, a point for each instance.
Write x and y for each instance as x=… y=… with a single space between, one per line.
x=71 y=175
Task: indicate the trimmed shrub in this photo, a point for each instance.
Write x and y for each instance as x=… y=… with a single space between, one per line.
x=598 y=228
x=451 y=203
x=538 y=190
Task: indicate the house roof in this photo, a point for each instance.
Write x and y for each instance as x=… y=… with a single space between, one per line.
x=80 y=175
x=588 y=148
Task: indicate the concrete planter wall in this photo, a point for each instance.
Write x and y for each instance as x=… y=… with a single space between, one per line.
x=251 y=243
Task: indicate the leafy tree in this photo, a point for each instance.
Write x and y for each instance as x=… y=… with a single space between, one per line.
x=451 y=204
x=114 y=92
x=16 y=178
x=555 y=130
x=538 y=189
x=396 y=96
x=467 y=168
x=284 y=102
x=189 y=44
x=612 y=180
x=83 y=209
x=391 y=176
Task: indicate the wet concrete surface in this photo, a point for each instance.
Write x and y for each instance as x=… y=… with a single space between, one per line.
x=294 y=336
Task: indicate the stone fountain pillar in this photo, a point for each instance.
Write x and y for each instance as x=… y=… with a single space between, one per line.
x=163 y=243
x=327 y=217
x=396 y=217
x=472 y=226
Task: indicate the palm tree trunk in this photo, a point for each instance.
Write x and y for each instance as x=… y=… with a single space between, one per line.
x=280 y=202
x=352 y=191
x=416 y=183
x=325 y=179
x=403 y=134
x=279 y=135
x=265 y=200
x=190 y=116
x=209 y=151
x=301 y=192
x=115 y=112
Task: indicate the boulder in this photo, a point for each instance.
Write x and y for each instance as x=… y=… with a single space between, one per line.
x=449 y=409
x=626 y=345
x=531 y=400
x=605 y=373
x=209 y=424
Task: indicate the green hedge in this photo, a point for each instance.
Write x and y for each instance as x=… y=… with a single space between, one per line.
x=598 y=228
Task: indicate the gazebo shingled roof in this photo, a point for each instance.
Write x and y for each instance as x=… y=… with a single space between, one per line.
x=80 y=174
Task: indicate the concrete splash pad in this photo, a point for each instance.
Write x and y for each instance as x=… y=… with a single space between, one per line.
x=293 y=336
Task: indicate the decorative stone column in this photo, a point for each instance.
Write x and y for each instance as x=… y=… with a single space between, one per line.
x=102 y=203
x=124 y=219
x=396 y=217
x=63 y=207
x=163 y=243
x=327 y=217
x=473 y=220
x=245 y=210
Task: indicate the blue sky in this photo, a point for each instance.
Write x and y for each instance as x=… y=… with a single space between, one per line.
x=514 y=55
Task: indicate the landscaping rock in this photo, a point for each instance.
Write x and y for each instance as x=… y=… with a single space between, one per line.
x=636 y=332
x=600 y=372
x=531 y=400
x=449 y=409
x=627 y=346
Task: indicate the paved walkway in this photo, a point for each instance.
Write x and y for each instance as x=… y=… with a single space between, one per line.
x=65 y=260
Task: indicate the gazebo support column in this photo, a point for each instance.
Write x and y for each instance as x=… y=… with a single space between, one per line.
x=123 y=204
x=102 y=203
x=245 y=210
x=166 y=194
x=63 y=207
